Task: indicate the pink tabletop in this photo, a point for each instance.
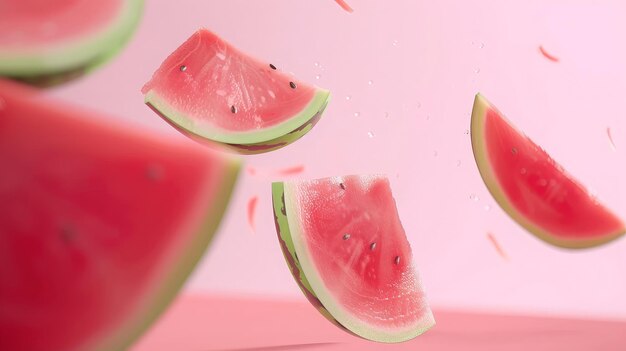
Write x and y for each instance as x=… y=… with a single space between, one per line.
x=197 y=323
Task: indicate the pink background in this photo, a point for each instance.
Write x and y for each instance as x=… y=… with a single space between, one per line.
x=425 y=61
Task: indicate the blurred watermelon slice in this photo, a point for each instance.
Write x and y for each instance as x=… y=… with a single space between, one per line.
x=100 y=225
x=46 y=42
x=533 y=189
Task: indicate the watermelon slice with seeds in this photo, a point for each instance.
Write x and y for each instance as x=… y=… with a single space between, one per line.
x=533 y=189
x=346 y=248
x=46 y=42
x=100 y=224
x=211 y=91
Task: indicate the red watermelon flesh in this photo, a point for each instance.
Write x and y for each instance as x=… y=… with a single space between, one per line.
x=348 y=249
x=533 y=189
x=210 y=89
x=100 y=224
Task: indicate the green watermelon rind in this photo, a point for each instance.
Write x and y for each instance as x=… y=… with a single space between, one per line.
x=311 y=284
x=78 y=57
x=185 y=263
x=481 y=155
x=248 y=142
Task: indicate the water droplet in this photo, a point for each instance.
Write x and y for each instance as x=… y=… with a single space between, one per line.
x=467 y=132
x=183 y=68
x=317 y=64
x=487 y=208
x=372 y=246
x=477 y=70
x=435 y=153
x=418 y=105
x=481 y=45
x=522 y=170
x=346 y=236
x=386 y=113
x=370 y=82
x=397 y=260
x=318 y=76
x=543 y=182
x=458 y=163
x=370 y=134
x=514 y=150
x=357 y=114
x=427 y=117
x=348 y=97
x=394 y=43
x=474 y=197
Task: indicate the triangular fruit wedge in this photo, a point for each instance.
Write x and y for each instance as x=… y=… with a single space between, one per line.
x=100 y=224
x=346 y=248
x=209 y=90
x=533 y=189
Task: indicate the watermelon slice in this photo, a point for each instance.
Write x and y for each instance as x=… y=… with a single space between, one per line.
x=533 y=189
x=100 y=225
x=209 y=90
x=46 y=42
x=347 y=250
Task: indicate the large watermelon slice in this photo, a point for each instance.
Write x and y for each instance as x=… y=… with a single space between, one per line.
x=347 y=250
x=50 y=41
x=99 y=225
x=209 y=90
x=533 y=189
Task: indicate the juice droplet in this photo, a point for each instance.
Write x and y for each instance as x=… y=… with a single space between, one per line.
x=357 y=114
x=487 y=208
x=477 y=70
x=474 y=197
x=318 y=76
x=608 y=134
x=481 y=45
x=370 y=134
x=252 y=202
x=348 y=97
x=370 y=82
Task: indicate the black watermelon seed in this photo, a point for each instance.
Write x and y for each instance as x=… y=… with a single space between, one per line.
x=292 y=85
x=272 y=66
x=233 y=109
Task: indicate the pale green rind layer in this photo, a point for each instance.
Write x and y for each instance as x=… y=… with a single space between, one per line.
x=314 y=281
x=84 y=54
x=284 y=235
x=274 y=134
x=188 y=258
x=481 y=155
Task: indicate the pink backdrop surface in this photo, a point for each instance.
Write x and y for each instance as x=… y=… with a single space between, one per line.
x=403 y=76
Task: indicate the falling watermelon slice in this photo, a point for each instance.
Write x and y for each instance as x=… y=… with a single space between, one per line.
x=100 y=224
x=46 y=42
x=209 y=90
x=533 y=189
x=347 y=250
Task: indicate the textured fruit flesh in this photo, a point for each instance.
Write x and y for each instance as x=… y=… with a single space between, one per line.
x=211 y=82
x=33 y=24
x=358 y=247
x=540 y=189
x=95 y=221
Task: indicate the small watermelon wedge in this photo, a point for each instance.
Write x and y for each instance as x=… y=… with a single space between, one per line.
x=533 y=189
x=100 y=225
x=346 y=248
x=47 y=42
x=211 y=91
